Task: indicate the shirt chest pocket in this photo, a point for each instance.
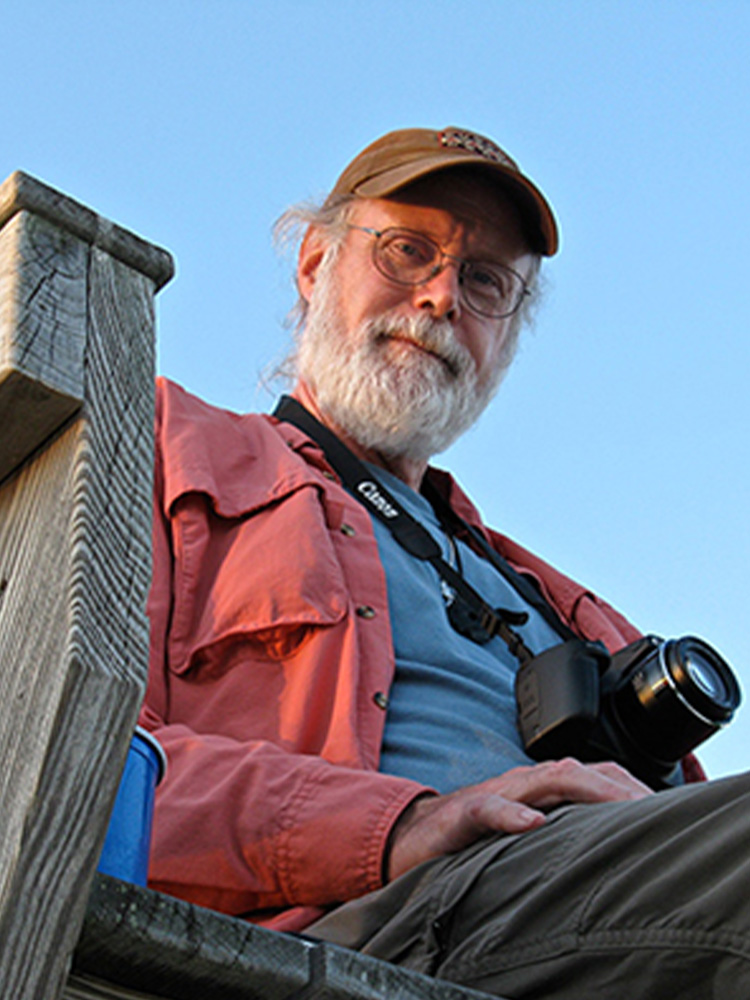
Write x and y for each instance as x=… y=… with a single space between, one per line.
x=258 y=581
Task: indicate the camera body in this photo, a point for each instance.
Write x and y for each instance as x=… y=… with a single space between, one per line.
x=646 y=706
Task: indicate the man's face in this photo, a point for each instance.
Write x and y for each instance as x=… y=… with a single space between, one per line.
x=407 y=368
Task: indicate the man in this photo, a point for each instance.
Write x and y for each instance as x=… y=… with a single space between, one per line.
x=338 y=706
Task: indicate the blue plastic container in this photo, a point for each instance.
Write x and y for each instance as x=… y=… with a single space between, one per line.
x=128 y=841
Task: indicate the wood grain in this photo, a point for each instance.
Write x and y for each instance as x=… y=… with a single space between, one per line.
x=43 y=288
x=74 y=575
x=21 y=192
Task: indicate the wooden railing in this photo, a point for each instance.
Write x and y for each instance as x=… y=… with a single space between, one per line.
x=76 y=412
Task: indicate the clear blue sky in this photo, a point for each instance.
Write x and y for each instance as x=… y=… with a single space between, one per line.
x=618 y=447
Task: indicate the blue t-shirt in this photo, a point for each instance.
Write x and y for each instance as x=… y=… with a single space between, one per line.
x=451 y=717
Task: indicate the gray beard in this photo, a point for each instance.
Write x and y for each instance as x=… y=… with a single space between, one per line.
x=402 y=403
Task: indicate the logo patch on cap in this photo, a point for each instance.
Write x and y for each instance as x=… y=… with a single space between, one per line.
x=455 y=138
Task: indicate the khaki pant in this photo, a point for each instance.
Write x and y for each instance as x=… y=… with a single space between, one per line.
x=648 y=900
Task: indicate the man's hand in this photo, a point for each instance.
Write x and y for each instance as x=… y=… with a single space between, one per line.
x=514 y=802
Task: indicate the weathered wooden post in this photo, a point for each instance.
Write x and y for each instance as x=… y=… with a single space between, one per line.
x=76 y=401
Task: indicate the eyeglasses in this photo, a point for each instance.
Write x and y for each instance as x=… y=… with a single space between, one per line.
x=410 y=258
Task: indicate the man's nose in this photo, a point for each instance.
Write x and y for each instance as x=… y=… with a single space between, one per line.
x=441 y=294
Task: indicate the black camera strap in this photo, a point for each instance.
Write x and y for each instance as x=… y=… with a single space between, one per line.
x=469 y=614
x=521 y=584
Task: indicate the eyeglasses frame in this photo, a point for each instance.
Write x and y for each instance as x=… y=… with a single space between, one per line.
x=444 y=257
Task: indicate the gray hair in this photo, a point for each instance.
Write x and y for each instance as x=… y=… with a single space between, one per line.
x=332 y=219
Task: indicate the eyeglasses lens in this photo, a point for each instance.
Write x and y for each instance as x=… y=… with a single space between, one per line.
x=407 y=257
x=491 y=290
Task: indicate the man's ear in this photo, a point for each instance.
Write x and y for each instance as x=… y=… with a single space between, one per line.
x=310 y=256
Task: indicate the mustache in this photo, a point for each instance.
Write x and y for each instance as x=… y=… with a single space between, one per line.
x=433 y=335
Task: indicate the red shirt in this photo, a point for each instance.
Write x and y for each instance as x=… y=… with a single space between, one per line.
x=271 y=661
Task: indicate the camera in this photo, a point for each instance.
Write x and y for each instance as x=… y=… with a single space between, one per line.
x=645 y=706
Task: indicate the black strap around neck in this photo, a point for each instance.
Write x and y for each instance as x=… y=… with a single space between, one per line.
x=472 y=616
x=521 y=584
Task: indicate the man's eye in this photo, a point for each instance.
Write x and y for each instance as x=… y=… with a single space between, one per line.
x=410 y=251
x=485 y=278
x=406 y=248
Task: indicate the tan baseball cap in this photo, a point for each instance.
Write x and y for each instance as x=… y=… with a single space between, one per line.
x=400 y=157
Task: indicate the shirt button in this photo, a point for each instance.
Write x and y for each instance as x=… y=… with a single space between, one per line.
x=365 y=611
x=348 y=530
x=380 y=700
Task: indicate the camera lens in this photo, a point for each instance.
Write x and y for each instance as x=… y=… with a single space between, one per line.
x=701 y=679
x=674 y=697
x=706 y=678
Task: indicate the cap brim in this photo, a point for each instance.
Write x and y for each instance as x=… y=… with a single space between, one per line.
x=389 y=181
